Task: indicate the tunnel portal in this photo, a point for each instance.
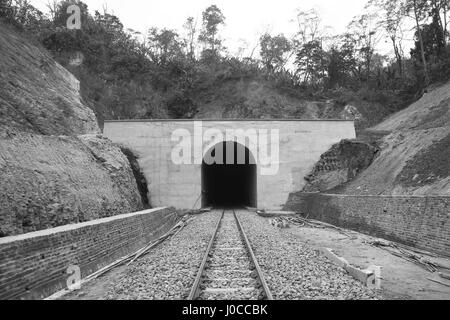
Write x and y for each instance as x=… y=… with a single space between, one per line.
x=229 y=182
x=179 y=184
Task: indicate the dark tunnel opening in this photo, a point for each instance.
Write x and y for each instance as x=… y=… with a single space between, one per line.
x=227 y=180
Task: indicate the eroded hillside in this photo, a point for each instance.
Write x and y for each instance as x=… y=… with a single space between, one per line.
x=414 y=152
x=54 y=167
x=37 y=94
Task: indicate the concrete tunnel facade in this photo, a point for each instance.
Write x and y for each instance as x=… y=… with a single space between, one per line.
x=175 y=157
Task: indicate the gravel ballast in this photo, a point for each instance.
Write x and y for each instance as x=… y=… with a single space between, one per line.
x=295 y=271
x=228 y=260
x=168 y=272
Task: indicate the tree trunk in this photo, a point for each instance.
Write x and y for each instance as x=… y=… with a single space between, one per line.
x=422 y=48
x=437 y=12
x=445 y=8
x=398 y=56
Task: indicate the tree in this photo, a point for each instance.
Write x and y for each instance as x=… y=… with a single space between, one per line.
x=364 y=31
x=308 y=44
x=212 y=19
x=191 y=31
x=308 y=23
x=417 y=9
x=274 y=51
x=21 y=14
x=445 y=8
x=8 y=10
x=310 y=61
x=341 y=60
x=436 y=6
x=52 y=6
x=164 y=45
x=433 y=41
x=391 y=20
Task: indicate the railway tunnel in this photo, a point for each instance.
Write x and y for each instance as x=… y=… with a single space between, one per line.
x=188 y=183
x=229 y=177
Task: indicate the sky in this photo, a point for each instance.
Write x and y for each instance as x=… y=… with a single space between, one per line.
x=246 y=20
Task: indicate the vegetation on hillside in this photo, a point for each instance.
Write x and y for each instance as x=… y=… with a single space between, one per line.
x=169 y=74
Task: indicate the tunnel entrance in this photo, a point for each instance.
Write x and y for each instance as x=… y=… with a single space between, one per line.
x=229 y=180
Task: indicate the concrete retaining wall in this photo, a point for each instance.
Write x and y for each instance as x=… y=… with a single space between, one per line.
x=34 y=265
x=422 y=222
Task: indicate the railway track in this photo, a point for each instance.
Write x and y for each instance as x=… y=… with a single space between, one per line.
x=229 y=270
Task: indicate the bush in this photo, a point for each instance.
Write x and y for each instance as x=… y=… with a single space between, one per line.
x=180 y=107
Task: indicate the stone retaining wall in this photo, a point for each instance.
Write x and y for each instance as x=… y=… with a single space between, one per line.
x=34 y=265
x=422 y=222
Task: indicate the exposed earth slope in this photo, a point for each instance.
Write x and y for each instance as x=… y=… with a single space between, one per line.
x=414 y=152
x=37 y=94
x=54 y=167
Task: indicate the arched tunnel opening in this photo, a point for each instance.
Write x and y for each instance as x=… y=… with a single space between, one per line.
x=229 y=177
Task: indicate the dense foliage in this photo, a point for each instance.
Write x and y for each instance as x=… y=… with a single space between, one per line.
x=125 y=74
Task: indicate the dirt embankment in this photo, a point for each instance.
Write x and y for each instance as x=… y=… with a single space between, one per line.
x=37 y=95
x=54 y=167
x=415 y=151
x=341 y=164
x=414 y=157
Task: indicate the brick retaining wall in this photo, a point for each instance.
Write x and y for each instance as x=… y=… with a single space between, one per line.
x=34 y=265
x=422 y=222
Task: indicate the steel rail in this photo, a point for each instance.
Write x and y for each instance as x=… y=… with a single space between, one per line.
x=195 y=291
x=259 y=272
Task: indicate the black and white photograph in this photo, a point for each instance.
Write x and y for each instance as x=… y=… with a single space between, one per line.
x=223 y=156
